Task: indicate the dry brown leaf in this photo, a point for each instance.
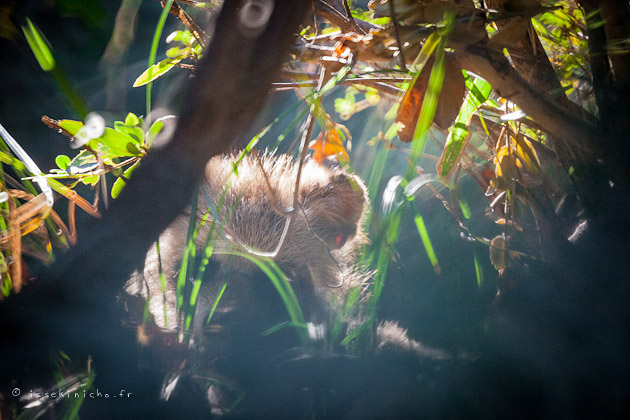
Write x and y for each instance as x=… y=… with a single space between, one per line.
x=449 y=103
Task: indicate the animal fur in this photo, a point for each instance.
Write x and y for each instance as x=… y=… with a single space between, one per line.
x=318 y=253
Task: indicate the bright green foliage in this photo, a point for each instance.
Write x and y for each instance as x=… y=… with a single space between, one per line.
x=458 y=134
x=154 y=45
x=284 y=289
x=153 y=131
x=120 y=183
x=126 y=140
x=62 y=162
x=189 y=256
x=69 y=94
x=38 y=46
x=156 y=71
x=425 y=54
x=563 y=34
x=366 y=15
x=426 y=241
x=345 y=106
x=429 y=103
x=478 y=270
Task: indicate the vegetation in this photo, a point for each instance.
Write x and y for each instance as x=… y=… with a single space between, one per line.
x=515 y=117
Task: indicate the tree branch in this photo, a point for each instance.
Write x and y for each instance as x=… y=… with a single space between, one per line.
x=332 y=15
x=531 y=61
x=495 y=68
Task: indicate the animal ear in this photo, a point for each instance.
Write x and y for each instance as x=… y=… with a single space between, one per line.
x=336 y=209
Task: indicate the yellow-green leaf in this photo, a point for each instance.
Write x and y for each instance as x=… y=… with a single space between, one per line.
x=120 y=183
x=156 y=71
x=458 y=135
x=132 y=119
x=71 y=126
x=39 y=46
x=62 y=161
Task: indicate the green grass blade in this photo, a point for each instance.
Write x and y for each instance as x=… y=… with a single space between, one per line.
x=429 y=104
x=478 y=270
x=284 y=289
x=188 y=252
x=388 y=238
x=36 y=41
x=290 y=127
x=216 y=302
x=425 y=54
x=154 y=46
x=38 y=45
x=162 y=278
x=459 y=134
x=192 y=304
x=426 y=242
x=465 y=208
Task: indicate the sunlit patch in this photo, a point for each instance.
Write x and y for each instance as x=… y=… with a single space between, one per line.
x=93 y=128
x=316 y=331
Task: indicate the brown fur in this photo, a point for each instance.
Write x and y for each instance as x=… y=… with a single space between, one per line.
x=318 y=253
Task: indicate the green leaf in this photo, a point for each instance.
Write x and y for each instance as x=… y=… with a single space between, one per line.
x=436 y=78
x=392 y=131
x=85 y=159
x=458 y=135
x=345 y=106
x=185 y=266
x=133 y=149
x=284 y=289
x=154 y=45
x=216 y=302
x=71 y=126
x=333 y=81
x=132 y=119
x=62 y=161
x=425 y=53
x=156 y=71
x=154 y=130
x=134 y=133
x=429 y=104
x=39 y=46
x=90 y=180
x=178 y=52
x=465 y=208
x=185 y=37
x=113 y=144
x=426 y=241
x=477 y=87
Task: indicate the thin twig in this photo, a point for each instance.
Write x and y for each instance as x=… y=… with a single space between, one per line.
x=273 y=201
x=306 y=135
x=190 y=67
x=346 y=6
x=192 y=26
x=333 y=16
x=383 y=87
x=401 y=55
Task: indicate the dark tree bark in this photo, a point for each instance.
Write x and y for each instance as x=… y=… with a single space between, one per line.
x=610 y=65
